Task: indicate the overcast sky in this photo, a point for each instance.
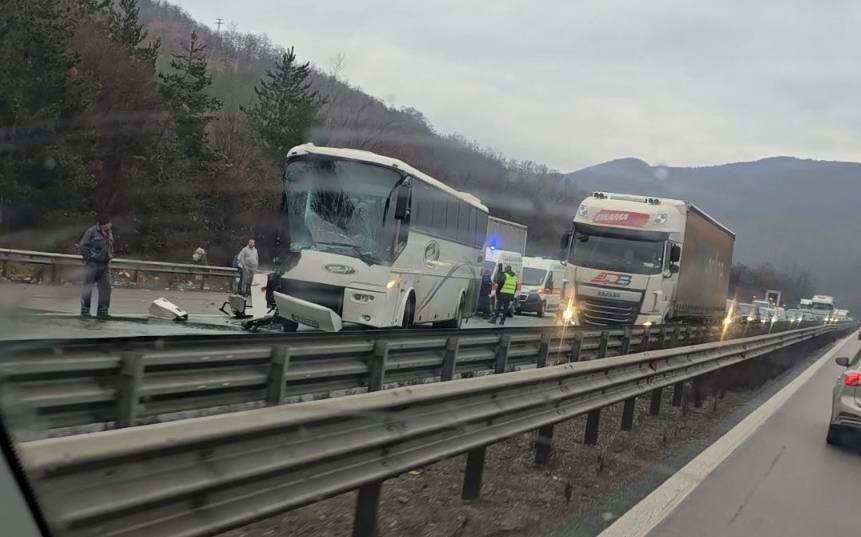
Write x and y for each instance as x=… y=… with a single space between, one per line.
x=572 y=83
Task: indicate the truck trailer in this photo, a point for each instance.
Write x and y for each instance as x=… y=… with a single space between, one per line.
x=644 y=260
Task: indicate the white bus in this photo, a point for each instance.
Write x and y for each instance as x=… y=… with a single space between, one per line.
x=372 y=241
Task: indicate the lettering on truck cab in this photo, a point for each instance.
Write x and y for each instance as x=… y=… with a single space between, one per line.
x=612 y=278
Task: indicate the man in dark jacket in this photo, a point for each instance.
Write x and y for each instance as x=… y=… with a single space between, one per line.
x=97 y=249
x=506 y=288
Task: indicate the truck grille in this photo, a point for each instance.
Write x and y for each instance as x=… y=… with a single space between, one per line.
x=604 y=312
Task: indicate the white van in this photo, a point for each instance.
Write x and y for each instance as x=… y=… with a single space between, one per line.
x=543 y=286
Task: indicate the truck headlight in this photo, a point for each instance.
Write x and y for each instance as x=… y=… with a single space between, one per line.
x=660 y=219
x=568 y=314
x=583 y=211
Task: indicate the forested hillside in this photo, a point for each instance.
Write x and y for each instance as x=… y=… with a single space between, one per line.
x=129 y=107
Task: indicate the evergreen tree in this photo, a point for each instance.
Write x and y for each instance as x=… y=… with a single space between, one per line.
x=185 y=90
x=41 y=93
x=125 y=28
x=286 y=108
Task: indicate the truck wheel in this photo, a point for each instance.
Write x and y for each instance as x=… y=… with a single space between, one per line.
x=540 y=311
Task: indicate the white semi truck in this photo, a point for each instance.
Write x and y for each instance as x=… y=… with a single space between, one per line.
x=822 y=307
x=643 y=260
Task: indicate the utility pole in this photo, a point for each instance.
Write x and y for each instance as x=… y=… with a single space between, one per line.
x=218 y=24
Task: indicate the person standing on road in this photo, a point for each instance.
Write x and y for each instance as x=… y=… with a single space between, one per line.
x=505 y=290
x=247 y=261
x=484 y=294
x=97 y=249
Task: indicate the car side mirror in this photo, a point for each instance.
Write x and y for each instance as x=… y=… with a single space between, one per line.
x=675 y=253
x=402 y=204
x=842 y=361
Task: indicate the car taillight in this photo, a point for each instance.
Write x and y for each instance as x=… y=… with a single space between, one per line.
x=852 y=379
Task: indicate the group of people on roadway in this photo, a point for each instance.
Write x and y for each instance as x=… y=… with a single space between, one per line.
x=506 y=288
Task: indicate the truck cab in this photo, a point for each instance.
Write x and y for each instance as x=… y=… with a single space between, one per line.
x=543 y=286
x=644 y=260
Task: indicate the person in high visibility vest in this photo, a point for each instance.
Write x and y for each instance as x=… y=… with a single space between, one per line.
x=506 y=284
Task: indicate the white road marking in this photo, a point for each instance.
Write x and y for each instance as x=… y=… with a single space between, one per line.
x=640 y=520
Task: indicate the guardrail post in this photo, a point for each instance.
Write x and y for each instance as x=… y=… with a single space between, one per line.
x=576 y=346
x=592 y=421
x=543 y=350
x=626 y=341
x=202 y=282
x=53 y=273
x=473 y=473
x=377 y=366
x=543 y=443
x=5 y=269
x=501 y=362
x=655 y=403
x=647 y=338
x=698 y=391
x=449 y=359
x=275 y=384
x=367 y=508
x=129 y=382
x=686 y=332
x=662 y=338
x=678 y=393
x=135 y=277
x=602 y=346
x=628 y=413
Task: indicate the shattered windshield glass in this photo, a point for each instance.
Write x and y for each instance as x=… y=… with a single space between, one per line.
x=342 y=207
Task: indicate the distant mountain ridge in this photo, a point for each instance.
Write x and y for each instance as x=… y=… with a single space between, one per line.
x=782 y=209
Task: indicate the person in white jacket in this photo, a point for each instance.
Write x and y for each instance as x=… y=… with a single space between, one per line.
x=247 y=262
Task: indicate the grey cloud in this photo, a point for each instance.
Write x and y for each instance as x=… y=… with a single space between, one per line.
x=572 y=83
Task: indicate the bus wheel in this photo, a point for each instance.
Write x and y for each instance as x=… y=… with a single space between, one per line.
x=457 y=322
x=409 y=311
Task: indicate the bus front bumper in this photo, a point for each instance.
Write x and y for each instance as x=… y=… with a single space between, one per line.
x=307 y=313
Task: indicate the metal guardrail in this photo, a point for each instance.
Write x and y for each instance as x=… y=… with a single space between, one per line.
x=135 y=266
x=128 y=381
x=205 y=476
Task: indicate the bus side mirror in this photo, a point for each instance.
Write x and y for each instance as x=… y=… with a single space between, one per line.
x=675 y=253
x=566 y=239
x=402 y=204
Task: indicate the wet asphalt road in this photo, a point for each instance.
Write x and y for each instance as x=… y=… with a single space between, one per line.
x=50 y=311
x=783 y=481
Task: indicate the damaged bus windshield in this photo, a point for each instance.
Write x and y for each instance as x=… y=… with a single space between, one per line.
x=342 y=207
